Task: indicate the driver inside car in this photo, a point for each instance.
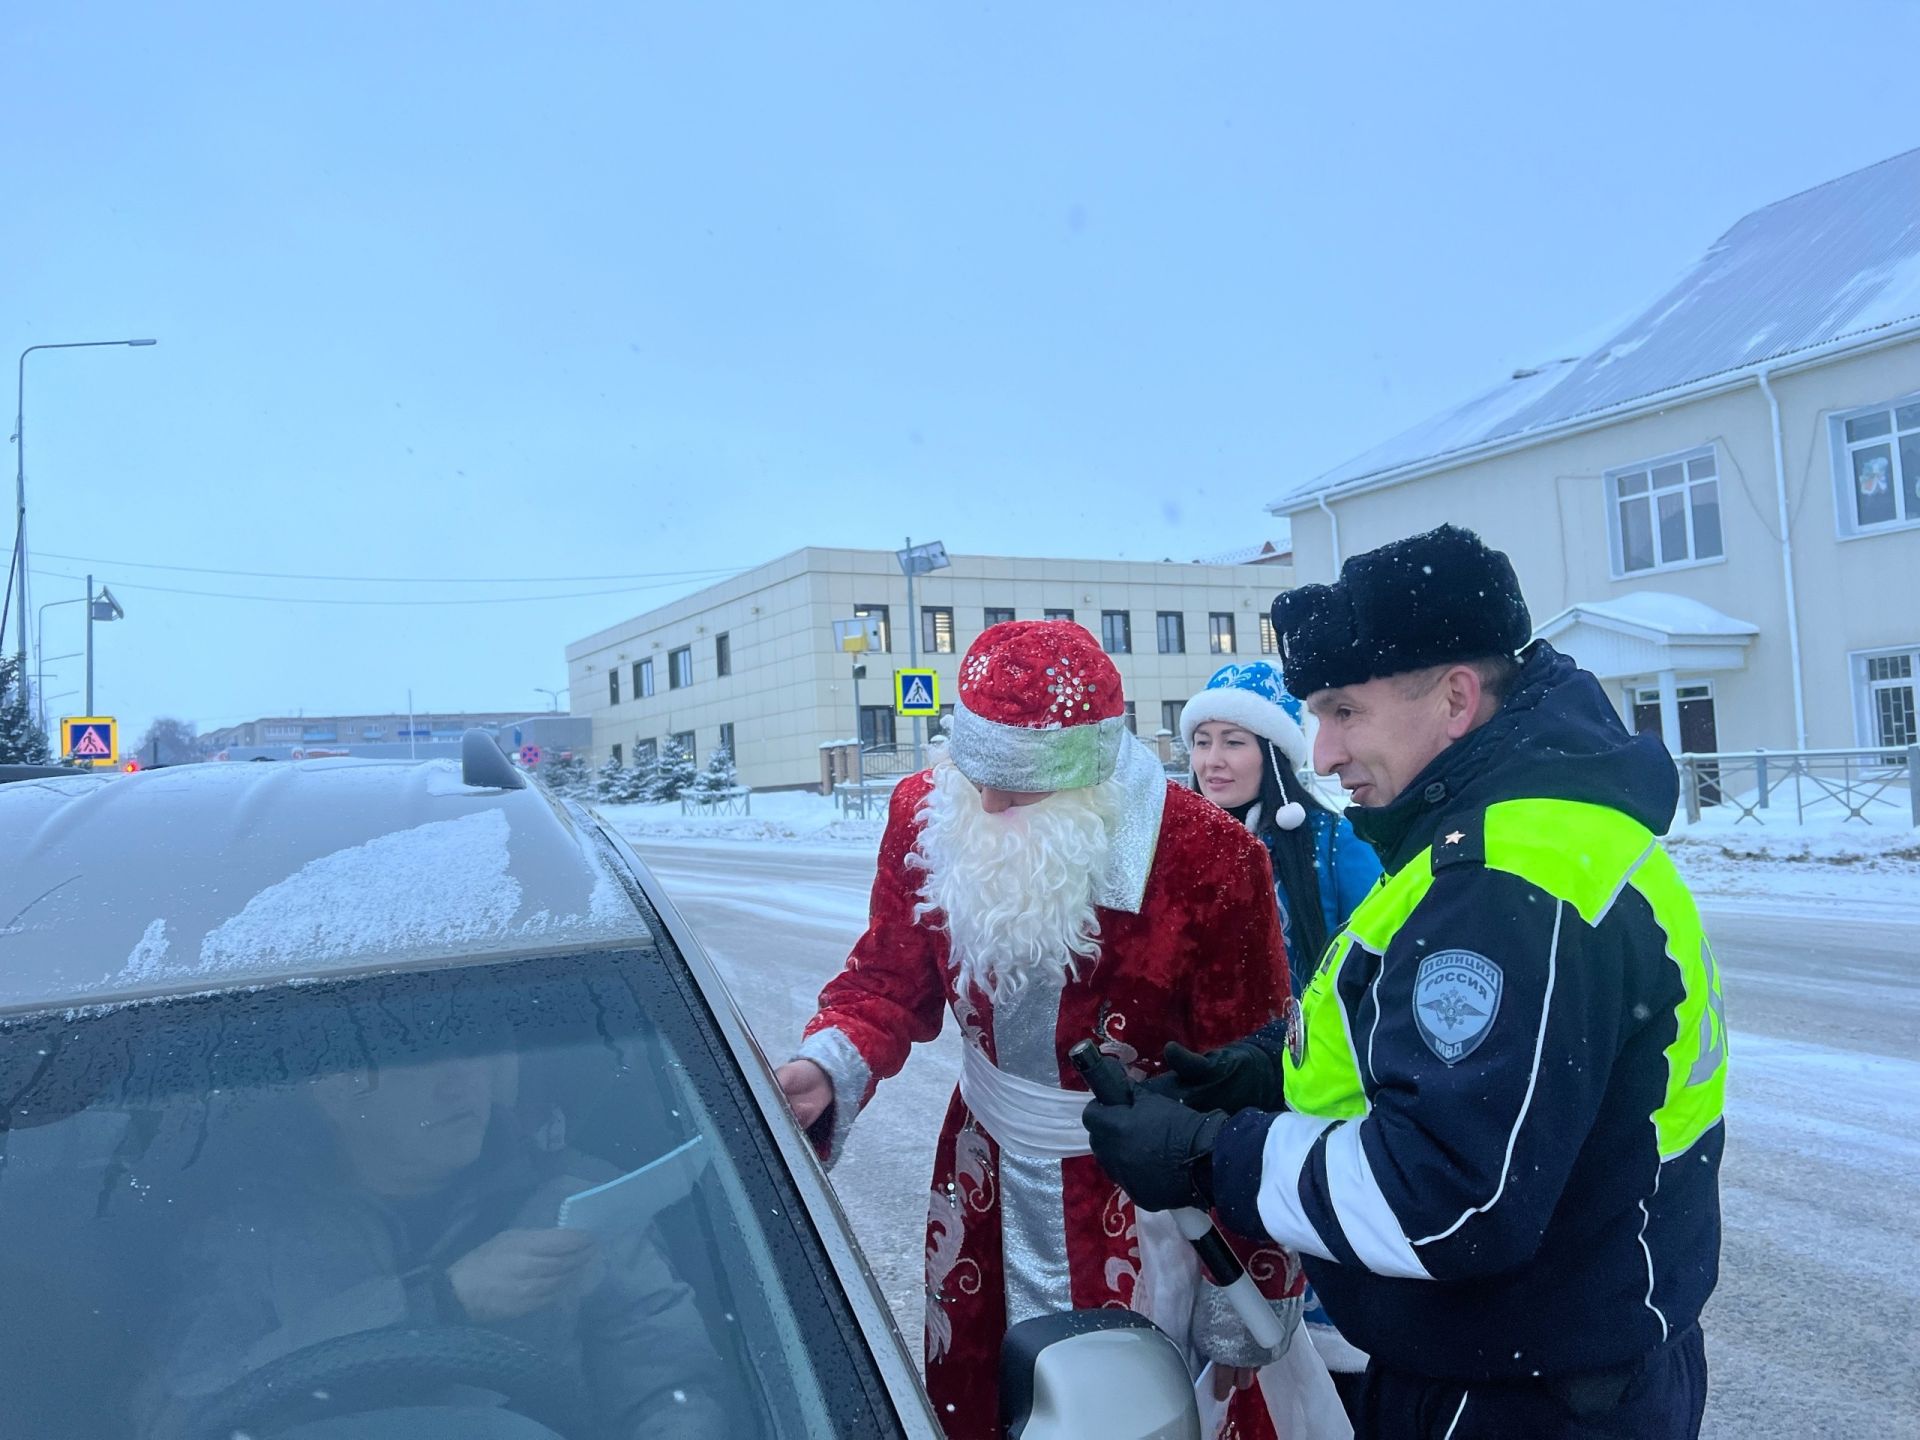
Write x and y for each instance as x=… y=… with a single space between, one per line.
x=411 y=1194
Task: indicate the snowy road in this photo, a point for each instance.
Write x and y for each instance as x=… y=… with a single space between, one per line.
x=1811 y=1332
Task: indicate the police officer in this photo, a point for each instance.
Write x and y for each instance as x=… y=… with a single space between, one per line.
x=1493 y=1124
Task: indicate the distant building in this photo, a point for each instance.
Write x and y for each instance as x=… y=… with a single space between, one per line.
x=751 y=662
x=1640 y=486
x=390 y=736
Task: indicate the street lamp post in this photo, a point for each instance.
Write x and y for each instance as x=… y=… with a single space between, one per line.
x=20 y=480
x=100 y=607
x=40 y=651
x=553 y=696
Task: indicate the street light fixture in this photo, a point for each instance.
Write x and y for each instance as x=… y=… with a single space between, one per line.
x=20 y=480
x=99 y=607
x=554 y=695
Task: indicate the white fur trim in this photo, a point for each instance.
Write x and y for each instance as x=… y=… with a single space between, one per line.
x=1250 y=712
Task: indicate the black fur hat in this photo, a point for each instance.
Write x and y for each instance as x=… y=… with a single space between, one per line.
x=1425 y=600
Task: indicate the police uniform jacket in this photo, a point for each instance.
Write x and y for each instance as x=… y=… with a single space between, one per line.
x=1502 y=1142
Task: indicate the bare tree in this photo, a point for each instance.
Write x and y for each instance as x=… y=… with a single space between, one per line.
x=168 y=742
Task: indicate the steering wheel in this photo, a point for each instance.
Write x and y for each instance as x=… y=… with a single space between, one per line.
x=377 y=1369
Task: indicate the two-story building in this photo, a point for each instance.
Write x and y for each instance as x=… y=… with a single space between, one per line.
x=753 y=664
x=1717 y=510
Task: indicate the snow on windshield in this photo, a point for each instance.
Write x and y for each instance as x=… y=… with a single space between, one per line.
x=445 y=882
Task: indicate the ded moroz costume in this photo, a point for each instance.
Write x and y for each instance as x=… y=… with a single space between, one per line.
x=1119 y=907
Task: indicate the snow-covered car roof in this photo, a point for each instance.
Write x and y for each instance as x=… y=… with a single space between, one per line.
x=115 y=887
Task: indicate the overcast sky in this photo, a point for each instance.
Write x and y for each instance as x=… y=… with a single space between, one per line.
x=484 y=292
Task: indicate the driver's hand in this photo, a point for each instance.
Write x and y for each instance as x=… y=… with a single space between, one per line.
x=520 y=1271
x=808 y=1090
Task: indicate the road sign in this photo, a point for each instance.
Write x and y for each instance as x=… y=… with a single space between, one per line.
x=916 y=692
x=90 y=737
x=855 y=636
x=529 y=755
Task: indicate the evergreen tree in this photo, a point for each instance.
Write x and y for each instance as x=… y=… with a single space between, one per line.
x=717 y=781
x=640 y=777
x=565 y=775
x=674 y=773
x=610 y=782
x=21 y=742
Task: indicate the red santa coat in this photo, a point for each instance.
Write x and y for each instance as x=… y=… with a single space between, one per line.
x=1190 y=950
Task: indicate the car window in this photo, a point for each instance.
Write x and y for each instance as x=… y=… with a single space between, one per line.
x=197 y=1191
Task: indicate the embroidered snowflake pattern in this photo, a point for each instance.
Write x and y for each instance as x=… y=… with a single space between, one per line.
x=974 y=671
x=1068 y=688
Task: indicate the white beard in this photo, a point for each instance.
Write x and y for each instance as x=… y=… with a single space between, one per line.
x=1016 y=888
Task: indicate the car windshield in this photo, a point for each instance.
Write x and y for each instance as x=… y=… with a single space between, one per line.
x=525 y=1199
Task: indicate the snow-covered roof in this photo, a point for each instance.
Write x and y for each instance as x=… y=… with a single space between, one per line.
x=1265 y=553
x=1835 y=263
x=1653 y=610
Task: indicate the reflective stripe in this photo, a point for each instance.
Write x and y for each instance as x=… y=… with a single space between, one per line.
x=1289 y=1141
x=1368 y=1221
x=1697 y=1058
x=1533 y=1079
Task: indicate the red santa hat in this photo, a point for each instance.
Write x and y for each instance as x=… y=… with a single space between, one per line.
x=1039 y=708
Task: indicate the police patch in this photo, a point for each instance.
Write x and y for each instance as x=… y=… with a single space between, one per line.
x=1456 y=995
x=1296 y=1023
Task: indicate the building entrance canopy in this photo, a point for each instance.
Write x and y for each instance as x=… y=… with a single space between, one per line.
x=1651 y=633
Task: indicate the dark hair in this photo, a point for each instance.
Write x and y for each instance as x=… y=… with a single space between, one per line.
x=1295 y=864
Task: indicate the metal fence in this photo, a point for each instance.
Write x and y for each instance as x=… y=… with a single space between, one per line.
x=737 y=801
x=1875 y=787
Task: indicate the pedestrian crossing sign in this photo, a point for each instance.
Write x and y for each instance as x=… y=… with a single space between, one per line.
x=90 y=737
x=916 y=692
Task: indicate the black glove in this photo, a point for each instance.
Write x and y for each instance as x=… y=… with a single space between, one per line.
x=1245 y=1075
x=1156 y=1149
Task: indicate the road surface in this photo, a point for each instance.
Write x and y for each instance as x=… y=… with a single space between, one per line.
x=1812 y=1330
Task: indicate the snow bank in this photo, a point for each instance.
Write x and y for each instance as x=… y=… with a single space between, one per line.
x=786 y=817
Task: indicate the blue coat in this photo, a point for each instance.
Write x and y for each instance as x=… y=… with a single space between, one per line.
x=1347 y=868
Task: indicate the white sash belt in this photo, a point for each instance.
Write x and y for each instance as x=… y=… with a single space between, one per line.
x=1024 y=1116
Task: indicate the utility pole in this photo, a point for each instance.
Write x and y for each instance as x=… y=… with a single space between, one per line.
x=913 y=637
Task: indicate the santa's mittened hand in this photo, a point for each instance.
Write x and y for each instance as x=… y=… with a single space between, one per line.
x=1240 y=1076
x=1156 y=1149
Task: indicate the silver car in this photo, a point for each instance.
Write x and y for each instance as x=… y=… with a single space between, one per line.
x=353 y=1099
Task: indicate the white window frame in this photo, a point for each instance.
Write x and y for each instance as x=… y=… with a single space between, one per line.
x=1863 y=689
x=1845 y=512
x=1616 y=539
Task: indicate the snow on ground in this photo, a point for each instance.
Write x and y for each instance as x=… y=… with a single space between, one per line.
x=1872 y=871
x=782 y=816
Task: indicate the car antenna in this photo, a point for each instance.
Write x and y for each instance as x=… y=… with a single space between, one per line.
x=484 y=764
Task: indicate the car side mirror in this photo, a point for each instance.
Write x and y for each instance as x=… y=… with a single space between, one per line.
x=1108 y=1373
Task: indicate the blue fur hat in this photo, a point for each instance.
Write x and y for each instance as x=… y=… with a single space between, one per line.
x=1252 y=696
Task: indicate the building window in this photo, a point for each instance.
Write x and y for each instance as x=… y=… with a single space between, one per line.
x=1884 y=696
x=1664 y=514
x=646 y=754
x=1002 y=614
x=722 y=655
x=1877 y=467
x=1116 y=632
x=643 y=678
x=879 y=613
x=1132 y=723
x=613 y=687
x=1269 y=637
x=726 y=740
x=1219 y=634
x=1170 y=717
x=876 y=725
x=1171 y=627
x=616 y=754
x=684 y=739
x=936 y=629
x=680 y=668
x=1066 y=615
